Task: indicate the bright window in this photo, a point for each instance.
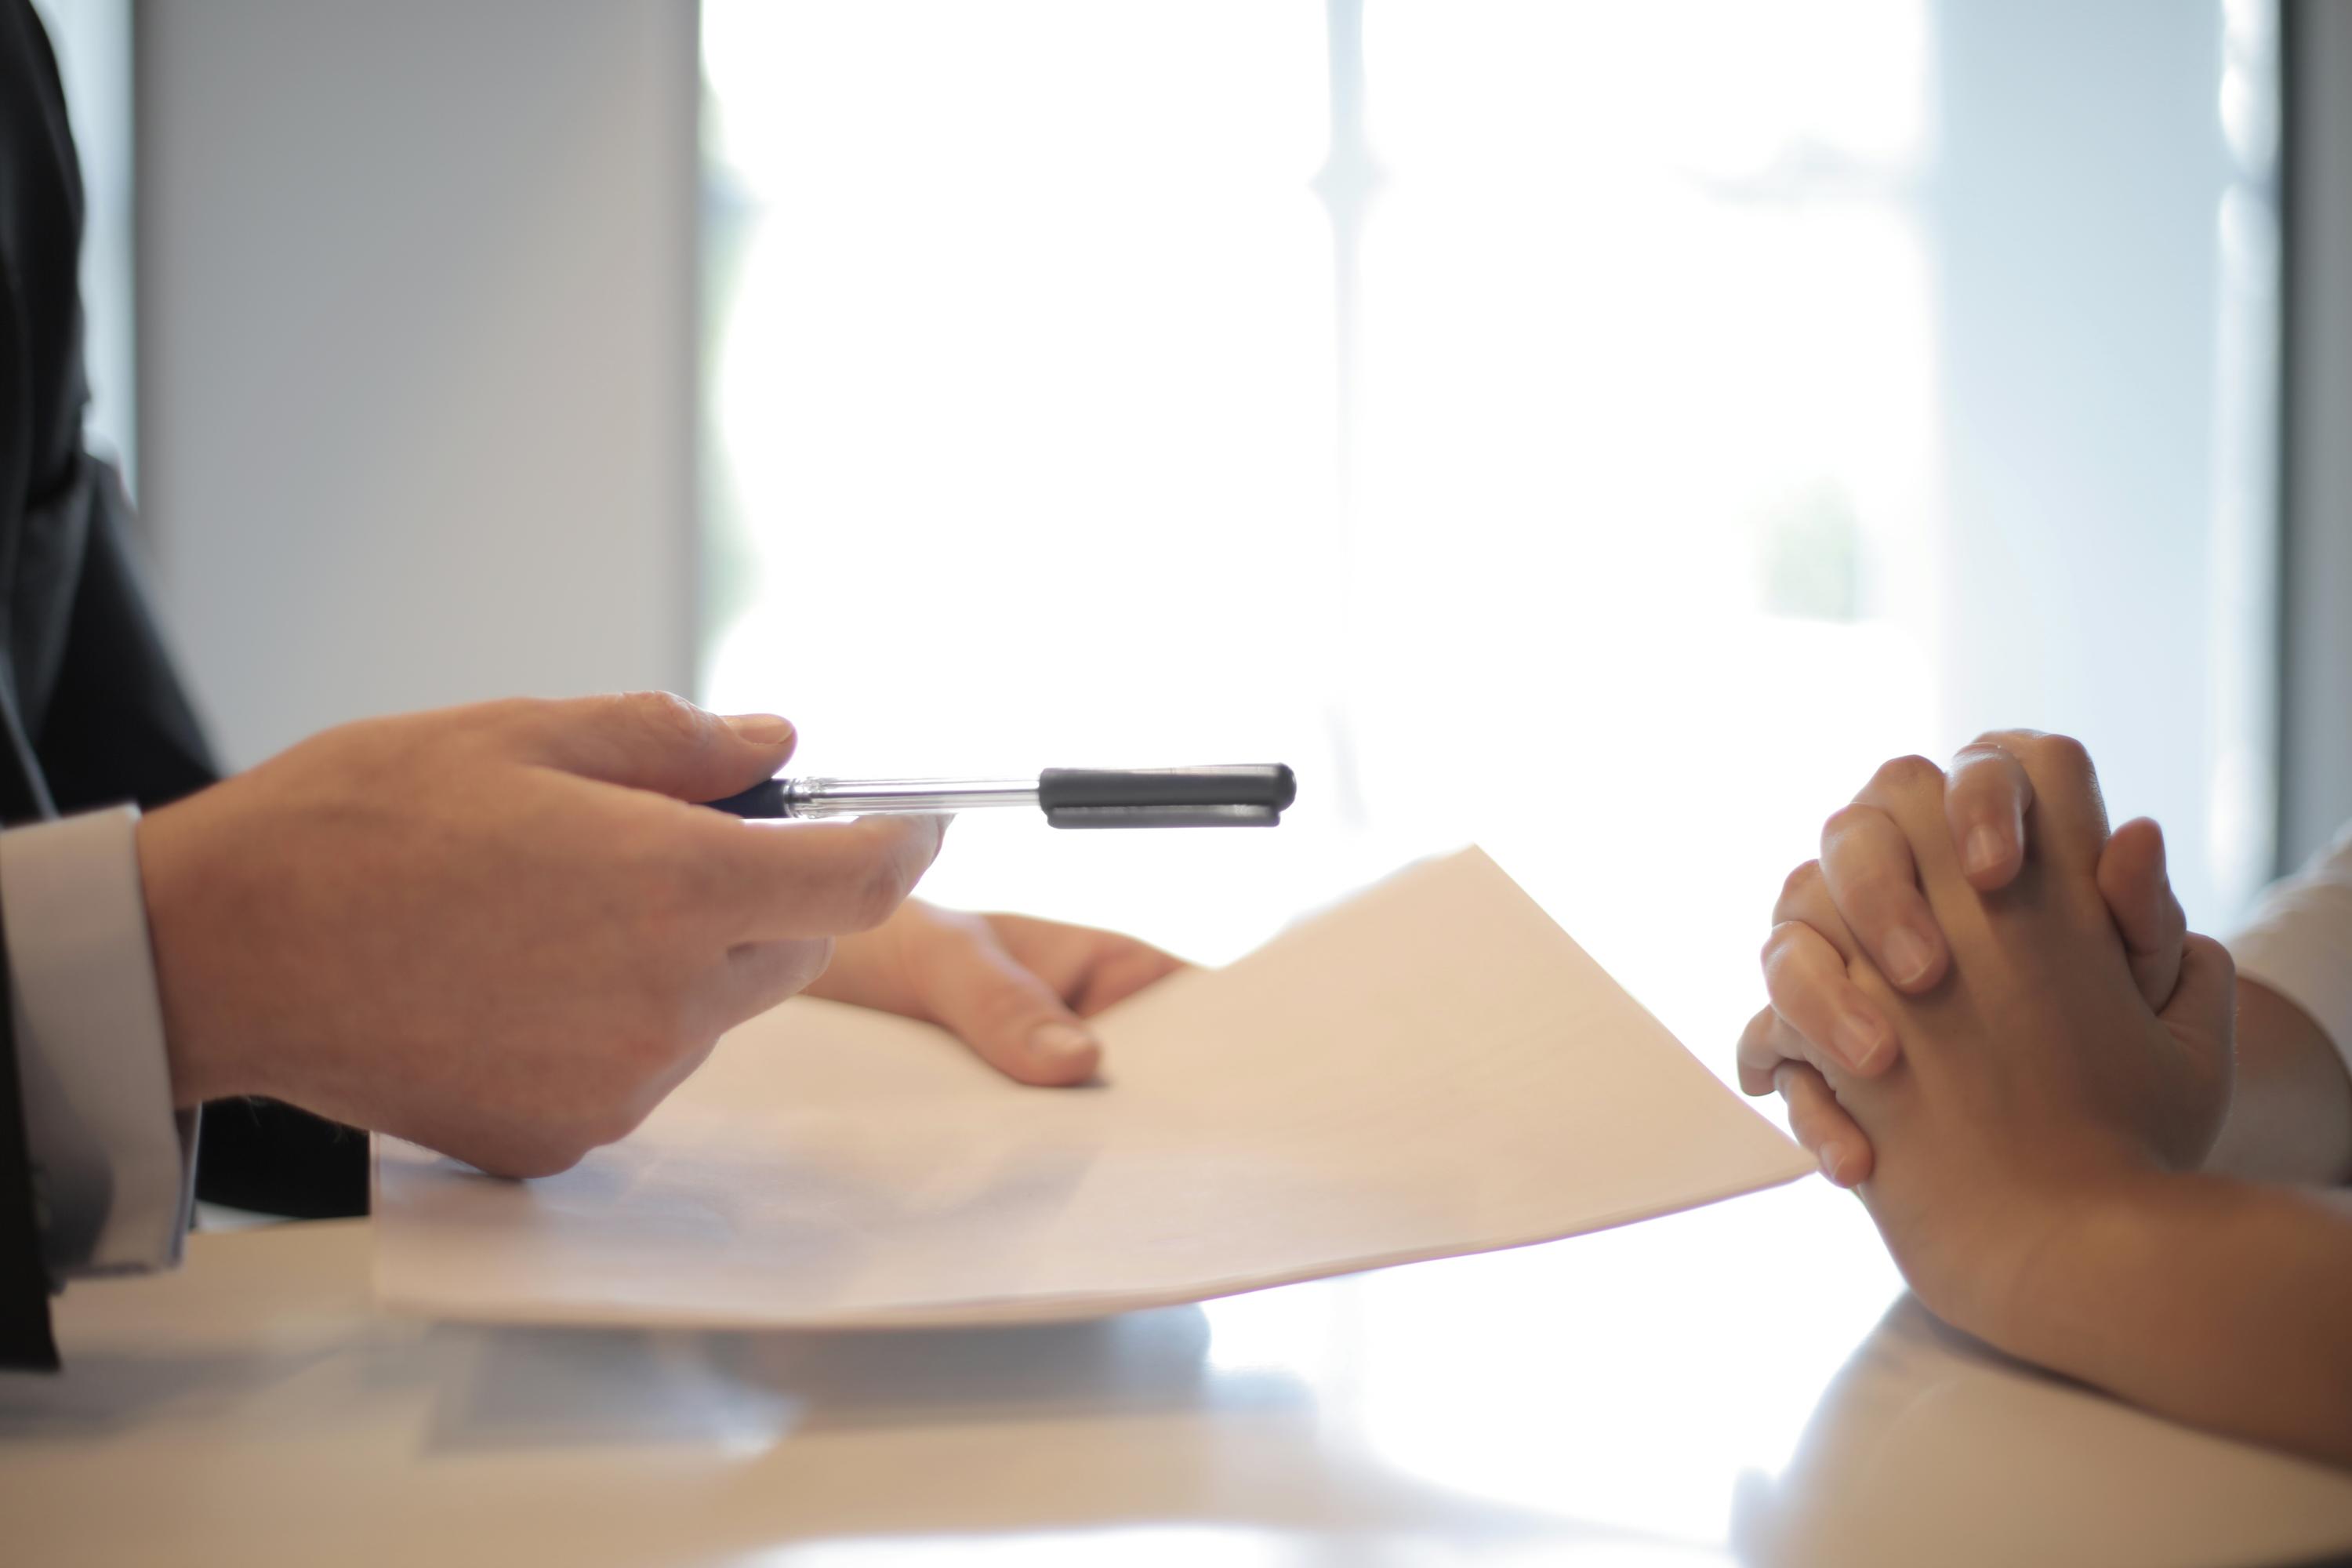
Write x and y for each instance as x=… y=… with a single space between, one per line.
x=1600 y=431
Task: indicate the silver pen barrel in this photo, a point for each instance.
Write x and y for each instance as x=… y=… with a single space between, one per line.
x=903 y=797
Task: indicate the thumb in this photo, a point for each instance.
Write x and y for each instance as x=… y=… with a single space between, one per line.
x=654 y=740
x=2202 y=1017
x=2138 y=893
x=1012 y=1019
x=2204 y=1005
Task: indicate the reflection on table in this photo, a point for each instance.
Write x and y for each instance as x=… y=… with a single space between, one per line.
x=1744 y=1383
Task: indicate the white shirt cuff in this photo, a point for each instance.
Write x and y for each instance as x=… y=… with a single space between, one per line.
x=113 y=1164
x=2299 y=942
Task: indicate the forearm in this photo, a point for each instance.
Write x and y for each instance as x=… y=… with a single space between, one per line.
x=2291 y=1104
x=2216 y=1301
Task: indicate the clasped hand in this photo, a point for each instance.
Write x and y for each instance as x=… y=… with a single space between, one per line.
x=1986 y=1011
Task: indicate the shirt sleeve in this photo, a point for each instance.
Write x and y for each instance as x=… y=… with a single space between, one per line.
x=113 y=1164
x=2299 y=941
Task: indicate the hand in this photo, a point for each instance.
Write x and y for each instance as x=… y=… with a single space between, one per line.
x=498 y=931
x=1866 y=872
x=2035 y=1077
x=1014 y=989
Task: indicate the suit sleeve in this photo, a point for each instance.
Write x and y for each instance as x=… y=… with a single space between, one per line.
x=118 y=724
x=25 y=1337
x=121 y=728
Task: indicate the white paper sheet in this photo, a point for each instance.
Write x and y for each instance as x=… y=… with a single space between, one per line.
x=1432 y=1068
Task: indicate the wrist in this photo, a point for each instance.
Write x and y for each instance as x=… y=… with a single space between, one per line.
x=2080 y=1259
x=203 y=1062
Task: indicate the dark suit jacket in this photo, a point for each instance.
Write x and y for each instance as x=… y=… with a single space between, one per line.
x=91 y=712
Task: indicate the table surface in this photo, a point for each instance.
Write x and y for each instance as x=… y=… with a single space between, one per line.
x=1746 y=1383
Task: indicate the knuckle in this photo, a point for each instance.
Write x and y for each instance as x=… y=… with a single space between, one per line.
x=1800 y=884
x=1849 y=816
x=2065 y=754
x=1980 y=768
x=1905 y=774
x=1779 y=947
x=1849 y=820
x=879 y=890
x=1997 y=743
x=667 y=716
x=1793 y=1082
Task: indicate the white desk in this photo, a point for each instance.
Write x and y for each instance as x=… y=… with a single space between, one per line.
x=1725 y=1386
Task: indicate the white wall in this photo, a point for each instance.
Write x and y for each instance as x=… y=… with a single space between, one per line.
x=2103 y=574
x=2317 y=754
x=417 y=339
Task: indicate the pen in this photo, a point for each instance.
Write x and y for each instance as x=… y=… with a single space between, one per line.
x=1239 y=797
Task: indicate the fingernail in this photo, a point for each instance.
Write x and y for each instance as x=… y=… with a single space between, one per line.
x=1908 y=956
x=761 y=729
x=1859 y=1040
x=1986 y=849
x=1057 y=1043
x=1832 y=1159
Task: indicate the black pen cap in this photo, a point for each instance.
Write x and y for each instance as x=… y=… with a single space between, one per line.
x=1243 y=796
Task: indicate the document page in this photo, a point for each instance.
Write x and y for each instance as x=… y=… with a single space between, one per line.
x=1431 y=1068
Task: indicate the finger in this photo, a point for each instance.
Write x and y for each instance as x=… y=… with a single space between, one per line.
x=1809 y=986
x=1910 y=792
x=2201 y=1017
x=2138 y=893
x=1817 y=1121
x=757 y=975
x=2069 y=816
x=1805 y=899
x=1767 y=1044
x=1090 y=970
x=1011 y=1017
x=650 y=740
x=2206 y=1000
x=1867 y=868
x=1120 y=973
x=788 y=879
x=1986 y=796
